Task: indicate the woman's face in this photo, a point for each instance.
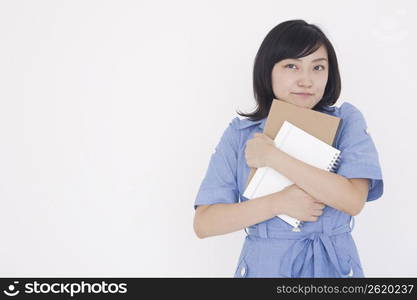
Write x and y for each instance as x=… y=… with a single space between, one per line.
x=293 y=77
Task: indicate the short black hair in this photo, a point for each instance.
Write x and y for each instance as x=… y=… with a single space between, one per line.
x=290 y=39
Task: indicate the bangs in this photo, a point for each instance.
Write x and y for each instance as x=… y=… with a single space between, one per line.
x=297 y=42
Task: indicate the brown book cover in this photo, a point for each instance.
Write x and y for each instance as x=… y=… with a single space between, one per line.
x=321 y=125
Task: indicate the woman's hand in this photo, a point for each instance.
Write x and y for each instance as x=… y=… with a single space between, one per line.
x=258 y=150
x=298 y=204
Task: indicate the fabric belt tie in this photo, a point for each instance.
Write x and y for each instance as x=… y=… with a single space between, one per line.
x=311 y=253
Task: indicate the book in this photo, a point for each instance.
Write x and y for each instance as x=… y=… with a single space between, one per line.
x=321 y=125
x=300 y=145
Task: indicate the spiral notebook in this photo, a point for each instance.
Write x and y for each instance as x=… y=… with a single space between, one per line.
x=300 y=145
x=323 y=125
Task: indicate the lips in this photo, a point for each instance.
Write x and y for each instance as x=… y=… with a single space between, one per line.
x=303 y=94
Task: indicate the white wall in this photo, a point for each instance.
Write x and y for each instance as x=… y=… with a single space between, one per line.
x=110 y=111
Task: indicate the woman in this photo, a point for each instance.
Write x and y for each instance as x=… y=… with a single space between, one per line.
x=295 y=63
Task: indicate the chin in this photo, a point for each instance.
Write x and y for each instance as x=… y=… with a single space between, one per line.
x=300 y=104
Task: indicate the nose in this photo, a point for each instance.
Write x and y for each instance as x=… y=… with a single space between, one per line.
x=305 y=81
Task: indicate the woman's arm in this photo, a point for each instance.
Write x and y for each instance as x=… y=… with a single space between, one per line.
x=223 y=218
x=348 y=195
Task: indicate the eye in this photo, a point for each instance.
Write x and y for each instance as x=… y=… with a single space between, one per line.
x=319 y=66
x=290 y=66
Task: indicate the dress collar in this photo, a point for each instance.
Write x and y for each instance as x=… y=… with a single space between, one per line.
x=245 y=123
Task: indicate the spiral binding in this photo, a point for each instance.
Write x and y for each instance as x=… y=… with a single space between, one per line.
x=296 y=228
x=332 y=167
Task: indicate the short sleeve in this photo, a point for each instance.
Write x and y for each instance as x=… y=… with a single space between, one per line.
x=219 y=184
x=359 y=157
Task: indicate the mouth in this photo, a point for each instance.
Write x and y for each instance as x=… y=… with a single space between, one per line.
x=303 y=94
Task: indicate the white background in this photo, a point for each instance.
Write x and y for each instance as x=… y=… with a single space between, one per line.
x=110 y=111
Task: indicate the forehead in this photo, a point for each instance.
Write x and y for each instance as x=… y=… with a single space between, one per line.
x=321 y=52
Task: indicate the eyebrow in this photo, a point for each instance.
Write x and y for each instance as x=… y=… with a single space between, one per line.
x=314 y=60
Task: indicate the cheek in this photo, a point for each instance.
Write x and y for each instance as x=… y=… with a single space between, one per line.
x=280 y=91
x=282 y=86
x=281 y=81
x=321 y=83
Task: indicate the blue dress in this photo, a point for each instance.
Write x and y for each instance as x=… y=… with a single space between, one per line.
x=324 y=248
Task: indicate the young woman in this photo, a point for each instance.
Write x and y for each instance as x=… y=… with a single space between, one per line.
x=295 y=63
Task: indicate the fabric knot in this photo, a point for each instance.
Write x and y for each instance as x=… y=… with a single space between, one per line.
x=313 y=255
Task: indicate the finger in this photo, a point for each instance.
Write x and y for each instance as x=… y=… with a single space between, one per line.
x=317 y=213
x=317 y=209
